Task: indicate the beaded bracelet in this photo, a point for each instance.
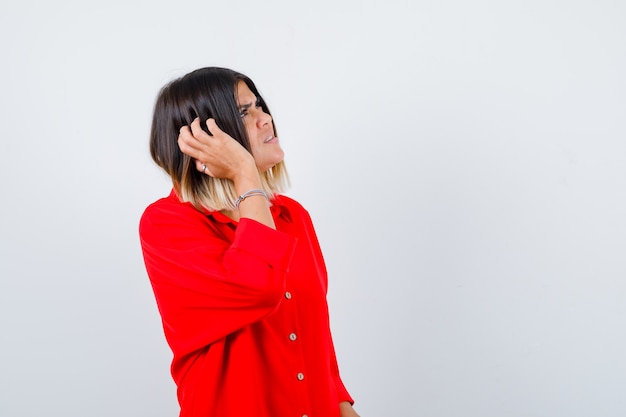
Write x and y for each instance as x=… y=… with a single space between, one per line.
x=249 y=194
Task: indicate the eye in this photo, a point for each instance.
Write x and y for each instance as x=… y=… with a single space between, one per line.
x=258 y=103
x=243 y=113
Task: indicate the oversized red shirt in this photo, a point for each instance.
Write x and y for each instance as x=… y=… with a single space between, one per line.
x=244 y=311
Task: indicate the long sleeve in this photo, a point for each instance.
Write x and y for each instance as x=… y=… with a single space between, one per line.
x=206 y=287
x=244 y=311
x=342 y=392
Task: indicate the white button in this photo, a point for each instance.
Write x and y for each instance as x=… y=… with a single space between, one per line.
x=300 y=376
x=292 y=337
x=288 y=295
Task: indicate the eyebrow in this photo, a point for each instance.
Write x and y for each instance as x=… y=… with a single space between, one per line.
x=244 y=107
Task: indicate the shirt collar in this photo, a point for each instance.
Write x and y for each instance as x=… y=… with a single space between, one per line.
x=277 y=209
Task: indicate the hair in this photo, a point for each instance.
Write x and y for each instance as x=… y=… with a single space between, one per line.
x=205 y=93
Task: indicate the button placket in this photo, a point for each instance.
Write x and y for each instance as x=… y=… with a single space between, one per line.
x=293 y=336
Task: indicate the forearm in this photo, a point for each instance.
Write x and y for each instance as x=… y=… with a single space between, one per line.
x=220 y=156
x=255 y=207
x=346 y=409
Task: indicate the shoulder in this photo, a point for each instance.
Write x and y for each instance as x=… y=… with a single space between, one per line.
x=169 y=205
x=293 y=210
x=168 y=211
x=287 y=202
x=290 y=206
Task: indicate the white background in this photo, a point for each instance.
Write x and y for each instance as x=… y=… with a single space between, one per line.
x=464 y=163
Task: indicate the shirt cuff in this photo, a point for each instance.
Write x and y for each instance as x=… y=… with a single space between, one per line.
x=342 y=392
x=274 y=247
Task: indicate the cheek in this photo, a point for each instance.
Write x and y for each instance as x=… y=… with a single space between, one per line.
x=253 y=145
x=249 y=126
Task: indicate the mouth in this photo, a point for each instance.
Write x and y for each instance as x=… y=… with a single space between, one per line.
x=269 y=138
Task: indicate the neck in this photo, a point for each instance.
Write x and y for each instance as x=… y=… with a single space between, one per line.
x=233 y=214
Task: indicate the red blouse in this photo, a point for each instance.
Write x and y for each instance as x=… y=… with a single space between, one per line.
x=244 y=311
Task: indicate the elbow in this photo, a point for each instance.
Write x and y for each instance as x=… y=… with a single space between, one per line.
x=263 y=282
x=269 y=292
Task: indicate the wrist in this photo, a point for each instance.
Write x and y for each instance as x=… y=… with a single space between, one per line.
x=251 y=193
x=246 y=180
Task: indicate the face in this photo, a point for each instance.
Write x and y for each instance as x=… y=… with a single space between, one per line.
x=265 y=147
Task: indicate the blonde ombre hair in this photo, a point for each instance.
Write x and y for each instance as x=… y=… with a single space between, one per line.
x=205 y=93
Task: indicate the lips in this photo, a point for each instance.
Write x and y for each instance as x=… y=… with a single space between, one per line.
x=269 y=138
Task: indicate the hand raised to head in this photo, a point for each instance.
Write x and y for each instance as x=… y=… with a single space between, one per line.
x=219 y=156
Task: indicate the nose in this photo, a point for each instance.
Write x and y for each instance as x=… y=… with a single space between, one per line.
x=263 y=119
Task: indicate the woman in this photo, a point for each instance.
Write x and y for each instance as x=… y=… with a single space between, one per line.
x=236 y=268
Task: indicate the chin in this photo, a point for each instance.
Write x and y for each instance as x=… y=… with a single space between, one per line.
x=270 y=162
x=267 y=167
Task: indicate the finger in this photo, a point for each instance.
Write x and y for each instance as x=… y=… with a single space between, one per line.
x=213 y=127
x=185 y=148
x=184 y=129
x=196 y=129
x=185 y=134
x=187 y=143
x=203 y=168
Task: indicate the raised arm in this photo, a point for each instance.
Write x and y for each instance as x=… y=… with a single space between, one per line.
x=220 y=156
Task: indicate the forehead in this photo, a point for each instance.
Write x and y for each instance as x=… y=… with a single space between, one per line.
x=243 y=94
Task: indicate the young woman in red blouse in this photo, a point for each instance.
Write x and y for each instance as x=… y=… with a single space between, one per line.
x=236 y=268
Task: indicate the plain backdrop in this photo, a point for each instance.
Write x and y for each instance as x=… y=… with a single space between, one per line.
x=464 y=163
